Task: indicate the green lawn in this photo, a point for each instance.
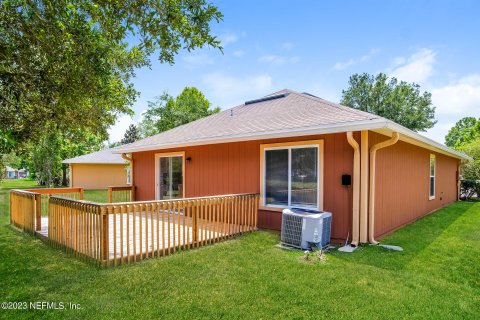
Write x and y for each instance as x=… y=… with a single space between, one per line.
x=436 y=277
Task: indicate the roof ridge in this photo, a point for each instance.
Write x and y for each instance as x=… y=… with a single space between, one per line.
x=338 y=105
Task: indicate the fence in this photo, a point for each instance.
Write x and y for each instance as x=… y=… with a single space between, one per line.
x=113 y=234
x=121 y=194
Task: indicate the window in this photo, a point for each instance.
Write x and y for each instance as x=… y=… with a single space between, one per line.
x=291 y=175
x=432 y=177
x=129 y=177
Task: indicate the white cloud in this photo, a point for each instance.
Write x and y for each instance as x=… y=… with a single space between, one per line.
x=116 y=132
x=287 y=46
x=228 y=38
x=228 y=91
x=278 y=60
x=453 y=101
x=439 y=131
x=354 y=61
x=461 y=97
x=239 y=53
x=417 y=68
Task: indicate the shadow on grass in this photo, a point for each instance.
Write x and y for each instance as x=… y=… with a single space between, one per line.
x=414 y=239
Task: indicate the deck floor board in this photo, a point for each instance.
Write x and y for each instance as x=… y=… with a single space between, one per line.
x=156 y=241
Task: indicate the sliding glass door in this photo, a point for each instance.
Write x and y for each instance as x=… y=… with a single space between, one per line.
x=170 y=177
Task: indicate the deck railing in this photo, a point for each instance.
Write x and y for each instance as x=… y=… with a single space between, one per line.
x=22 y=199
x=46 y=193
x=113 y=234
x=121 y=194
x=24 y=210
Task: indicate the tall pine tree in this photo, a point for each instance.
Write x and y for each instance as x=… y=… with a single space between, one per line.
x=131 y=135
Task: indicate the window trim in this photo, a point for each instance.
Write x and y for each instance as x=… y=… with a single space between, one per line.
x=430 y=176
x=291 y=145
x=157 y=169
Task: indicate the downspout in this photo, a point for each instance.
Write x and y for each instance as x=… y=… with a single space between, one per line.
x=356 y=189
x=371 y=200
x=130 y=159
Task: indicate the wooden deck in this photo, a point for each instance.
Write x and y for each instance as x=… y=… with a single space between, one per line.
x=146 y=235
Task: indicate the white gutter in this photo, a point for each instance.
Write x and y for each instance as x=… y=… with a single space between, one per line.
x=373 y=124
x=371 y=193
x=356 y=189
x=284 y=133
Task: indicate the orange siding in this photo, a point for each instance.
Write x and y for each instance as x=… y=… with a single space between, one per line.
x=402 y=184
x=98 y=176
x=402 y=179
x=235 y=168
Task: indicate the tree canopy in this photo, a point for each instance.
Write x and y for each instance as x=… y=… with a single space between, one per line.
x=166 y=112
x=400 y=102
x=464 y=131
x=67 y=65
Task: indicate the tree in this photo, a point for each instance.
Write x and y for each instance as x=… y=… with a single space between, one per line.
x=400 y=102
x=67 y=65
x=47 y=161
x=131 y=135
x=166 y=112
x=49 y=152
x=464 y=131
x=471 y=170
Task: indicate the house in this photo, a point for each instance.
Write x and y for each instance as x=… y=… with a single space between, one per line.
x=11 y=173
x=298 y=150
x=98 y=170
x=22 y=173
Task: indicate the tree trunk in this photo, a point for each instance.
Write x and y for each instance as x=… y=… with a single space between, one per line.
x=64 y=175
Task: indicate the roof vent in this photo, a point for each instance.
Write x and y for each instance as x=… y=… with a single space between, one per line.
x=278 y=96
x=311 y=95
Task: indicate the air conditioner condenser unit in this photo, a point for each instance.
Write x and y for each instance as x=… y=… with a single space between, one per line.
x=306 y=228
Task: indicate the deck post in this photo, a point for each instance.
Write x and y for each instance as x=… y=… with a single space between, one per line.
x=132 y=193
x=38 y=211
x=195 y=223
x=81 y=194
x=104 y=236
x=110 y=194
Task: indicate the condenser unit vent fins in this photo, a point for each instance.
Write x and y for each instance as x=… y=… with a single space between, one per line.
x=292 y=230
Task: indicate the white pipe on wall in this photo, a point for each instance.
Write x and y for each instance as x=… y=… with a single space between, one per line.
x=371 y=211
x=356 y=189
x=364 y=187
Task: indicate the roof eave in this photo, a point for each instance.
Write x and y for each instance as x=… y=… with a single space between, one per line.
x=295 y=132
x=395 y=127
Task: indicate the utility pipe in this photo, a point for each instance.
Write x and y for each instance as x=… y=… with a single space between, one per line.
x=371 y=211
x=356 y=189
x=364 y=186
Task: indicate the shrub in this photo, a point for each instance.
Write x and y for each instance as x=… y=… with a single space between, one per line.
x=469 y=188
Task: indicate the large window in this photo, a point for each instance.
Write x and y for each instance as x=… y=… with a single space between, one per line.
x=432 y=177
x=291 y=176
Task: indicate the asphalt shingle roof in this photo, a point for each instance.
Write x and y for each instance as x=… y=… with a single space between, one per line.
x=100 y=157
x=293 y=110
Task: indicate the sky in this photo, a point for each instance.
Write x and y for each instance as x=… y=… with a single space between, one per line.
x=314 y=46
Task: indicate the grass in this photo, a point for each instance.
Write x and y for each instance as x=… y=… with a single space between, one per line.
x=436 y=277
